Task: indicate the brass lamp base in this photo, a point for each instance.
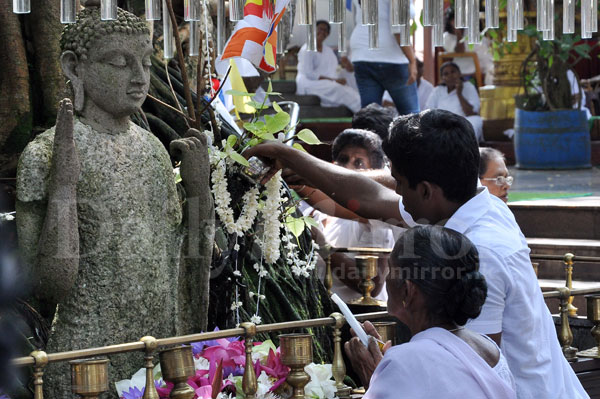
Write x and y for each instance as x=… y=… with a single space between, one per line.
x=367 y=301
x=343 y=392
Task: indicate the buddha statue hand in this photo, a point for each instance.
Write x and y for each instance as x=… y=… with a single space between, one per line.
x=192 y=151
x=65 y=160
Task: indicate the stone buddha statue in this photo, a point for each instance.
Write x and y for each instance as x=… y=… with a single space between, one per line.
x=99 y=215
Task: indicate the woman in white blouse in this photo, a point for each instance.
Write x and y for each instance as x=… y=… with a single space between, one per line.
x=434 y=287
x=457 y=96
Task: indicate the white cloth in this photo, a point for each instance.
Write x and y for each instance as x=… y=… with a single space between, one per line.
x=441 y=99
x=575 y=90
x=437 y=364
x=344 y=233
x=514 y=305
x=466 y=64
x=314 y=64
x=424 y=90
x=389 y=51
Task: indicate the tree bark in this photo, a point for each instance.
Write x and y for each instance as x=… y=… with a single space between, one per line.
x=15 y=106
x=46 y=30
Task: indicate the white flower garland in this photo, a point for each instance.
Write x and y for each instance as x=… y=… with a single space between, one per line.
x=223 y=201
x=271 y=213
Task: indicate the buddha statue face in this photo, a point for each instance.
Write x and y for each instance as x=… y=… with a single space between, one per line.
x=108 y=64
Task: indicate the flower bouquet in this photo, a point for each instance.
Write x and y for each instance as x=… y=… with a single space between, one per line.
x=220 y=365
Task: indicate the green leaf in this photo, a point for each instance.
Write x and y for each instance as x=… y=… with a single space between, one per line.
x=295 y=225
x=550 y=61
x=257 y=105
x=231 y=140
x=239 y=93
x=308 y=137
x=276 y=107
x=258 y=128
x=310 y=221
x=238 y=158
x=276 y=123
x=252 y=142
x=270 y=87
x=298 y=146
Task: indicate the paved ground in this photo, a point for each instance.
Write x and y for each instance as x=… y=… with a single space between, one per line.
x=575 y=181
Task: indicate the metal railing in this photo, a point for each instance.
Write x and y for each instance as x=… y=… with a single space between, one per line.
x=39 y=359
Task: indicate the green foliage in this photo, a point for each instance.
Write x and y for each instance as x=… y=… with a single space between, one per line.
x=270 y=127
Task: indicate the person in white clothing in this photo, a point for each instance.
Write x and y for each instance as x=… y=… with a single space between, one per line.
x=359 y=150
x=434 y=287
x=435 y=160
x=318 y=74
x=454 y=43
x=457 y=96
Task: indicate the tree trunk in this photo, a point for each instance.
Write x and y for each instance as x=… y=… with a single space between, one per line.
x=48 y=82
x=15 y=106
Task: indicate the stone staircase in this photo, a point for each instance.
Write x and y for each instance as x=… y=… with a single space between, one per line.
x=555 y=227
x=310 y=106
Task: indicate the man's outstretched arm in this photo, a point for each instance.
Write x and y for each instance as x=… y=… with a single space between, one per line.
x=352 y=190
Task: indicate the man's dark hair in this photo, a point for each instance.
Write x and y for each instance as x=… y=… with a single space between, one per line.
x=486 y=154
x=435 y=146
x=360 y=138
x=322 y=21
x=374 y=118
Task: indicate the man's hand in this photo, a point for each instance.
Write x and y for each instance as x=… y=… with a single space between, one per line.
x=365 y=359
x=192 y=151
x=65 y=159
x=412 y=73
x=271 y=153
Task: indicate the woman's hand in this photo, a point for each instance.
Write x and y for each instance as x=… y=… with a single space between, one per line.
x=459 y=87
x=365 y=359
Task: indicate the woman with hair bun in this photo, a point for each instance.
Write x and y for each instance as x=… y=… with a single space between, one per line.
x=434 y=287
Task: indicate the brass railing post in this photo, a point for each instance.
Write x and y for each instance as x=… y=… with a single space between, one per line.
x=566 y=336
x=328 y=281
x=568 y=259
x=249 y=384
x=41 y=360
x=338 y=368
x=151 y=345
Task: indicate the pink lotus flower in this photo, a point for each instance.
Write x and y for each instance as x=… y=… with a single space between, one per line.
x=232 y=354
x=274 y=368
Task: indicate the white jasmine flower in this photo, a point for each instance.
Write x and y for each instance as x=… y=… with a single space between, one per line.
x=237 y=273
x=236 y=305
x=262 y=272
x=251 y=294
x=271 y=213
x=7 y=217
x=236 y=247
x=256 y=319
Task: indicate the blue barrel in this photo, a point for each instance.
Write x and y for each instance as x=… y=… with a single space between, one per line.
x=552 y=140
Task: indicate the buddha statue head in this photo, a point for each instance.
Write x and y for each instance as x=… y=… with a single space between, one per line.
x=108 y=65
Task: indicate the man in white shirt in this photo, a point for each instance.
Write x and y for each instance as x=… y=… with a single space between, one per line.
x=435 y=160
x=318 y=74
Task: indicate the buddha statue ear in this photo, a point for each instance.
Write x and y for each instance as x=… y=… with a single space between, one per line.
x=70 y=66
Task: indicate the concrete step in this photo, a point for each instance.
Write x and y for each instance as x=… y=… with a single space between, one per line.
x=547 y=269
x=574 y=218
x=282 y=86
x=314 y=112
x=301 y=100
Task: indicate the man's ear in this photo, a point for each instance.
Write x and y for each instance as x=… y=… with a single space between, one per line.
x=425 y=190
x=69 y=63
